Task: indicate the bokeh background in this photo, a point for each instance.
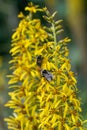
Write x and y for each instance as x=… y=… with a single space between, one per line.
x=73 y=12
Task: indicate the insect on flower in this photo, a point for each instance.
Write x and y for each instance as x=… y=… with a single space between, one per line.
x=39 y=60
x=47 y=75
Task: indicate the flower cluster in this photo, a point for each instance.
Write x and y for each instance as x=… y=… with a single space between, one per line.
x=44 y=95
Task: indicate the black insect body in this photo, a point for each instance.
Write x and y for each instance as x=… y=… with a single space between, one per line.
x=39 y=60
x=47 y=75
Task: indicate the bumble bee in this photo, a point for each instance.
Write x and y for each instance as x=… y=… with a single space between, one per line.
x=47 y=75
x=39 y=60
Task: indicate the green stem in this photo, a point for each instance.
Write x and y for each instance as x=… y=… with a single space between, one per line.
x=55 y=41
x=55 y=44
x=54 y=33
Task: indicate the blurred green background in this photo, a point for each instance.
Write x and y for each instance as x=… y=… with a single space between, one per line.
x=73 y=12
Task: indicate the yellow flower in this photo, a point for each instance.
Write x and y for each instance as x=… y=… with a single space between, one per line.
x=21 y=15
x=32 y=8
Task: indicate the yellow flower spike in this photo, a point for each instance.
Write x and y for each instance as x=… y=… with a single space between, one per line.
x=44 y=95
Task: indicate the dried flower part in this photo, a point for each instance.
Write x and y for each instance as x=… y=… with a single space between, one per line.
x=44 y=95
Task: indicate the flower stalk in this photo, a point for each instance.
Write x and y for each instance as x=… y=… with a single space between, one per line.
x=44 y=95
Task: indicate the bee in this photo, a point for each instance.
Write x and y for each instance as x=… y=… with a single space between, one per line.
x=39 y=60
x=47 y=75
